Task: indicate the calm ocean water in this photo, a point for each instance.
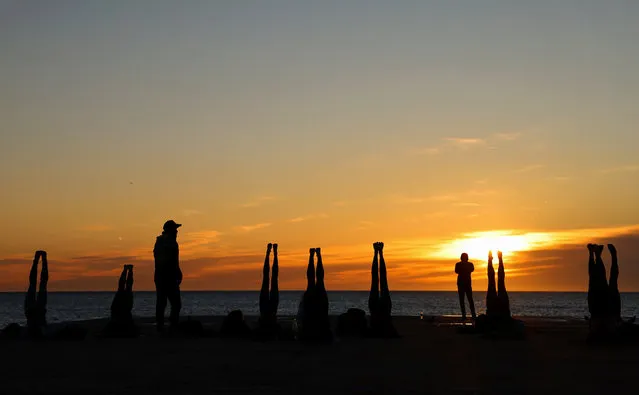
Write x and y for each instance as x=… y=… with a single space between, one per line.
x=68 y=306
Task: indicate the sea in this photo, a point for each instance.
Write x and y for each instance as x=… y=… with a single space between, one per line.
x=74 y=306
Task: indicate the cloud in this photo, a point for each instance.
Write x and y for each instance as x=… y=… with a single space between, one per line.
x=619 y=169
x=444 y=198
x=196 y=242
x=257 y=202
x=365 y=225
x=482 y=192
x=467 y=204
x=560 y=178
x=427 y=151
x=526 y=169
x=190 y=212
x=419 y=199
x=307 y=217
x=465 y=142
x=456 y=142
x=507 y=136
x=409 y=200
x=96 y=228
x=251 y=228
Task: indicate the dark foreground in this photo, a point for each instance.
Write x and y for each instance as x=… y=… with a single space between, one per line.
x=432 y=357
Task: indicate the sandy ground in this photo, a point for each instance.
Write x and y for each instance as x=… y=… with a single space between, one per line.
x=432 y=357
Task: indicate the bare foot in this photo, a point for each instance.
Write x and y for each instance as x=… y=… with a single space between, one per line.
x=612 y=249
x=381 y=246
x=312 y=251
x=499 y=254
x=318 y=251
x=275 y=247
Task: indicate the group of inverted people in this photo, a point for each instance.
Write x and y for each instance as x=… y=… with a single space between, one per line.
x=313 y=320
x=498 y=316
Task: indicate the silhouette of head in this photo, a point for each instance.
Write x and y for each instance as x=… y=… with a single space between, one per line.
x=464 y=257
x=171 y=227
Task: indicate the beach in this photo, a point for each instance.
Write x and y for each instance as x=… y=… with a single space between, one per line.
x=431 y=357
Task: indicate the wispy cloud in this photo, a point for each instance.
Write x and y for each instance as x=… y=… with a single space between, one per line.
x=444 y=198
x=191 y=212
x=251 y=228
x=96 y=228
x=467 y=204
x=526 y=169
x=450 y=142
x=619 y=169
x=427 y=151
x=482 y=192
x=307 y=217
x=422 y=199
x=507 y=136
x=465 y=142
x=560 y=178
x=194 y=239
x=257 y=202
x=364 y=225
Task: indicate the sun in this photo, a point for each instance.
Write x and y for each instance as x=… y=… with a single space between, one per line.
x=477 y=245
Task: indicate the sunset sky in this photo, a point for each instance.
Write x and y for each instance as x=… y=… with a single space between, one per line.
x=437 y=127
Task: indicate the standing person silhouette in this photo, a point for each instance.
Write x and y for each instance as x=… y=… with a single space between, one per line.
x=168 y=275
x=464 y=268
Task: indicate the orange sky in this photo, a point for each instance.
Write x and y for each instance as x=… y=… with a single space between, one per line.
x=330 y=124
x=548 y=261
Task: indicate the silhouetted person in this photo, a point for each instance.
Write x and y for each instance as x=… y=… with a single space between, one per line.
x=464 y=269
x=121 y=323
x=379 y=302
x=313 y=312
x=498 y=320
x=492 y=303
x=604 y=301
x=269 y=300
x=502 y=294
x=168 y=275
x=613 y=286
x=598 y=295
x=35 y=306
x=234 y=325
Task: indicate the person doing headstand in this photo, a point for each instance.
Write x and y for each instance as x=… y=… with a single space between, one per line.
x=379 y=301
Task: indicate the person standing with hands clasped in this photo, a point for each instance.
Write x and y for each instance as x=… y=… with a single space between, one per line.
x=464 y=268
x=168 y=275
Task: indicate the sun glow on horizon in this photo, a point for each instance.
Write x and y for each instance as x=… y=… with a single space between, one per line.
x=477 y=245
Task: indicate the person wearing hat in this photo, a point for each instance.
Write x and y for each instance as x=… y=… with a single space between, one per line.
x=168 y=275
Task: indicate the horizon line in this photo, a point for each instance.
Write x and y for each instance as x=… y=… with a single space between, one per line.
x=303 y=290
